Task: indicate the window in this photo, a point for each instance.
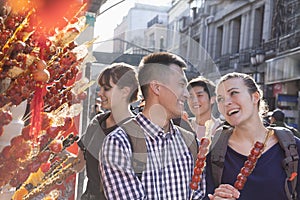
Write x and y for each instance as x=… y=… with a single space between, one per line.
x=235 y=34
x=219 y=42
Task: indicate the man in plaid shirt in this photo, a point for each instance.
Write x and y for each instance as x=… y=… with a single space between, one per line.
x=170 y=163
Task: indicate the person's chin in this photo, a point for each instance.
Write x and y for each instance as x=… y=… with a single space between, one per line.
x=106 y=107
x=178 y=113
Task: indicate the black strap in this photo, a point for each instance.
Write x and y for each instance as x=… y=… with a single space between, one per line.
x=138 y=145
x=190 y=141
x=218 y=151
x=290 y=162
x=139 y=149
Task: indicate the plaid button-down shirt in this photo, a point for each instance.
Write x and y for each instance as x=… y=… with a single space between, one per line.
x=168 y=171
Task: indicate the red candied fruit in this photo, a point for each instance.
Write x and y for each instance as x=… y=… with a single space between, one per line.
x=259 y=145
x=249 y=164
x=245 y=171
x=241 y=178
x=194 y=185
x=205 y=142
x=197 y=171
x=200 y=163
x=252 y=158
x=239 y=185
x=255 y=151
x=196 y=178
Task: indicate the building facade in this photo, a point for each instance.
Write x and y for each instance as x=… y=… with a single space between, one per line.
x=130 y=33
x=234 y=33
x=257 y=37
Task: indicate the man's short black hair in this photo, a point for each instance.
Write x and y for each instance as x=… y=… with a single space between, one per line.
x=157 y=66
x=278 y=115
x=208 y=85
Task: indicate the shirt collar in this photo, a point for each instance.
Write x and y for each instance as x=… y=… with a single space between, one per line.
x=153 y=130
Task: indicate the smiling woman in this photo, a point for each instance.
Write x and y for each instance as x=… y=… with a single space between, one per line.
x=239 y=173
x=118 y=87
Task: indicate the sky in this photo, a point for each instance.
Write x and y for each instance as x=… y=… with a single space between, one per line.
x=108 y=21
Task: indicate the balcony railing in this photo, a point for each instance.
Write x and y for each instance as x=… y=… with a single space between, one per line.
x=290 y=41
x=234 y=61
x=272 y=47
x=284 y=43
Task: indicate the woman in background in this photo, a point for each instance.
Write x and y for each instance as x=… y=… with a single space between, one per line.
x=118 y=88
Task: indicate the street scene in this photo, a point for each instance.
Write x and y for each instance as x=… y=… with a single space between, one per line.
x=131 y=99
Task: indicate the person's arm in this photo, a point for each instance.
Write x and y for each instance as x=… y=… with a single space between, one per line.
x=296 y=132
x=91 y=133
x=117 y=175
x=80 y=163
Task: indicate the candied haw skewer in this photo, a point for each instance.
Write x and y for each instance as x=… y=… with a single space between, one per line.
x=201 y=157
x=250 y=163
x=248 y=167
x=200 y=163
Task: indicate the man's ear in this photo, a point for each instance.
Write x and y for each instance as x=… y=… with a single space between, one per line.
x=212 y=100
x=126 y=91
x=256 y=97
x=155 y=87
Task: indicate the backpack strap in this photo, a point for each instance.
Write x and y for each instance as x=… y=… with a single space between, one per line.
x=218 y=151
x=139 y=149
x=101 y=118
x=290 y=162
x=138 y=145
x=190 y=141
x=287 y=142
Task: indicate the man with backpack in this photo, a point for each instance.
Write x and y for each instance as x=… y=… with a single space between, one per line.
x=278 y=119
x=149 y=157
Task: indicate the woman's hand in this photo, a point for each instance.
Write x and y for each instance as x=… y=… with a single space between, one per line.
x=225 y=192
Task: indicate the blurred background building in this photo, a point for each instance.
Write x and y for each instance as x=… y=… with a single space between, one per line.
x=257 y=37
